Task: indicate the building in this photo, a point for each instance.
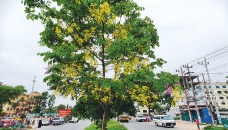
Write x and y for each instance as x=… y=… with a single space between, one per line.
x=20 y=106
x=203 y=96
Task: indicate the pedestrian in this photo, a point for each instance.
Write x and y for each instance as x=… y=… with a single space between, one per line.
x=33 y=122
x=197 y=123
x=147 y=119
x=40 y=123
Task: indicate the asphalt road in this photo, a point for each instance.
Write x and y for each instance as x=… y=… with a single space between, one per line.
x=131 y=125
x=134 y=125
x=67 y=126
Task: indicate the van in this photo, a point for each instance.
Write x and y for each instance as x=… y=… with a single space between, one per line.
x=165 y=121
x=157 y=117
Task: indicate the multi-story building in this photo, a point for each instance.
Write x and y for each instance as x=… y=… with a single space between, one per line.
x=21 y=105
x=203 y=94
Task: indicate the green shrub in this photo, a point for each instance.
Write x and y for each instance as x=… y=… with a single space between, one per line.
x=7 y=128
x=214 y=128
x=111 y=125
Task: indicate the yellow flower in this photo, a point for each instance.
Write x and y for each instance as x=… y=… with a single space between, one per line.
x=57 y=30
x=78 y=2
x=69 y=29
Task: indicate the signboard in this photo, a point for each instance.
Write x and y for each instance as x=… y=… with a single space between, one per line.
x=64 y=112
x=50 y=114
x=30 y=116
x=37 y=114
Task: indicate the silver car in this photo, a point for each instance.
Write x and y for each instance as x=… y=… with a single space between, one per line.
x=58 y=121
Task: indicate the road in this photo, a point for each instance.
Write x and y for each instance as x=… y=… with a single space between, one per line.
x=134 y=125
x=68 y=126
x=131 y=125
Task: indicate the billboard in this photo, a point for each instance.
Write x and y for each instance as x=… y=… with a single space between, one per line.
x=64 y=112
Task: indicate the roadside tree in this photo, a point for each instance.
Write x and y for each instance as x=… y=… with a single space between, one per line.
x=9 y=93
x=95 y=48
x=51 y=102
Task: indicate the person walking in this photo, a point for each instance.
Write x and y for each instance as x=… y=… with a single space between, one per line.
x=197 y=123
x=40 y=123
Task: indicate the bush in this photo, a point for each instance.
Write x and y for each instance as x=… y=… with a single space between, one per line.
x=7 y=128
x=214 y=128
x=111 y=125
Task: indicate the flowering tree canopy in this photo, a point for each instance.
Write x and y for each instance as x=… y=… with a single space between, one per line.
x=98 y=48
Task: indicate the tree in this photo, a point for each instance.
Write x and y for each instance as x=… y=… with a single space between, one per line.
x=9 y=93
x=97 y=48
x=41 y=102
x=51 y=102
x=60 y=106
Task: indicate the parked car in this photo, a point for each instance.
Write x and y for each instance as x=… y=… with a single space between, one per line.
x=58 y=121
x=1 y=123
x=124 y=118
x=45 y=121
x=8 y=123
x=165 y=121
x=142 y=118
x=73 y=120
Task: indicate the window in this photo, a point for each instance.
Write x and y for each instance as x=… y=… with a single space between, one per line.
x=144 y=111
x=224 y=86
x=225 y=92
x=209 y=86
x=221 y=98
x=197 y=87
x=204 y=87
x=223 y=103
x=219 y=92
x=226 y=97
x=217 y=87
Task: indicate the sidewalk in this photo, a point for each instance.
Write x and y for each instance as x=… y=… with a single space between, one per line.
x=185 y=125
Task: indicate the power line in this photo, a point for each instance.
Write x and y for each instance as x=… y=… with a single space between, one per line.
x=207 y=55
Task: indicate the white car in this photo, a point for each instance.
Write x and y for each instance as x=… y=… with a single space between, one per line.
x=142 y=118
x=165 y=121
x=45 y=121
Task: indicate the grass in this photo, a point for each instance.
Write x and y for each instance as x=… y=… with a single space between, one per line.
x=214 y=128
x=111 y=125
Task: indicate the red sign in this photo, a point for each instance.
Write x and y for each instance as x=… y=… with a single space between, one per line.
x=64 y=112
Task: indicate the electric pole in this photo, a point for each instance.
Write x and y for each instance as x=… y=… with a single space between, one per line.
x=210 y=102
x=193 y=90
x=185 y=93
x=213 y=94
x=33 y=83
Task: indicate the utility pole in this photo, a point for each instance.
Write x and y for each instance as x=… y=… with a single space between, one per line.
x=210 y=102
x=185 y=93
x=213 y=94
x=193 y=89
x=33 y=83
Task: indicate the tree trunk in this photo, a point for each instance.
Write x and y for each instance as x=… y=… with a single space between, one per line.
x=104 y=121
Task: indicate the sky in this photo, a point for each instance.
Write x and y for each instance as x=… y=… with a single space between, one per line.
x=187 y=31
